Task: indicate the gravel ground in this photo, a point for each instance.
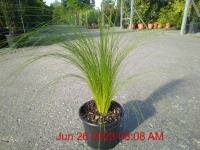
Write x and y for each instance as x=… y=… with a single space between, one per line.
x=166 y=92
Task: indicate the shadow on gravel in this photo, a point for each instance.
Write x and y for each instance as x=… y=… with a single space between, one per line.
x=137 y=111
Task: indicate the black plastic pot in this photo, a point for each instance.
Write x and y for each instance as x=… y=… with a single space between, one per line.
x=104 y=136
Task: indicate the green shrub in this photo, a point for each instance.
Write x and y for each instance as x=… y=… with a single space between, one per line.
x=193 y=16
x=99 y=61
x=93 y=18
x=172 y=13
x=141 y=7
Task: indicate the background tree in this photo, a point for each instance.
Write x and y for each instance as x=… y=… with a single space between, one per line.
x=172 y=13
x=20 y=14
x=92 y=3
x=109 y=11
x=142 y=7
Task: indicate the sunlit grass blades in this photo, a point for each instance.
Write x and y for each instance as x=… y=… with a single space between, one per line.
x=99 y=61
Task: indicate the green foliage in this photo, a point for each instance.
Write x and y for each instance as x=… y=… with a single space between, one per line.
x=60 y=15
x=152 y=13
x=193 y=16
x=172 y=13
x=98 y=59
x=32 y=14
x=141 y=6
x=163 y=16
x=92 y=18
x=23 y=15
x=109 y=11
x=71 y=12
x=77 y=4
x=92 y=3
x=176 y=14
x=43 y=35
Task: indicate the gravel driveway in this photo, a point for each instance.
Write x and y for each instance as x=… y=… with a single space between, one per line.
x=166 y=92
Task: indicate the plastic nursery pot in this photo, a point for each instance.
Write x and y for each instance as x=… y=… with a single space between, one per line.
x=159 y=26
x=155 y=25
x=134 y=26
x=102 y=136
x=131 y=26
x=167 y=25
x=140 y=26
x=150 y=26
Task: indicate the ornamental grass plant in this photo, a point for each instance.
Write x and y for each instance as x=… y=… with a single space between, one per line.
x=97 y=58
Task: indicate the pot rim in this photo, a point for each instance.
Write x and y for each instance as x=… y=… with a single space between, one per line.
x=106 y=124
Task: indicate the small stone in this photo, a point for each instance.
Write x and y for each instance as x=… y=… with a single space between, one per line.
x=96 y=117
x=151 y=125
x=196 y=141
x=4 y=140
x=89 y=113
x=18 y=120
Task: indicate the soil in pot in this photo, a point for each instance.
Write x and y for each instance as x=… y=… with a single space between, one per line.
x=92 y=115
x=102 y=130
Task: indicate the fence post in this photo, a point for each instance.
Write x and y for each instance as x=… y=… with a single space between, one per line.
x=21 y=16
x=184 y=20
x=121 y=14
x=131 y=15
